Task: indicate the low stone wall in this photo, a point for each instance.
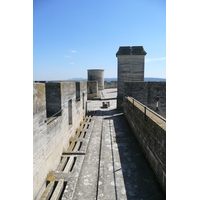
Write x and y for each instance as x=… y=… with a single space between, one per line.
x=51 y=135
x=108 y=85
x=151 y=135
x=92 y=89
x=147 y=93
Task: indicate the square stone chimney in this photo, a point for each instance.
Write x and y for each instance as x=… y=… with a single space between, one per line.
x=130 y=68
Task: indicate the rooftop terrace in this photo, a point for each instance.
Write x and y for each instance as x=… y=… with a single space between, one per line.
x=110 y=163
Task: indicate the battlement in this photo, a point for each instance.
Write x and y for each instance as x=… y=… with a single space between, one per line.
x=60 y=138
x=57 y=113
x=128 y=50
x=150 y=130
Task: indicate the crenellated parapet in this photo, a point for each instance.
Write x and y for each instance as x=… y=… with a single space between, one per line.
x=108 y=85
x=149 y=128
x=151 y=94
x=58 y=109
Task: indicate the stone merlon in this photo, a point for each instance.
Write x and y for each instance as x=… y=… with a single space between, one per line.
x=128 y=50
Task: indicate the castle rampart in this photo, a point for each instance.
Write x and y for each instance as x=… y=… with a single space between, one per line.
x=51 y=135
x=150 y=131
x=108 y=85
x=148 y=93
x=59 y=108
x=92 y=88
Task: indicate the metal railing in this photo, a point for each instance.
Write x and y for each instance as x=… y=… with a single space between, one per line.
x=145 y=108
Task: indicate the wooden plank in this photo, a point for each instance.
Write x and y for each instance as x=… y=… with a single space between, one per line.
x=71 y=145
x=58 y=190
x=69 y=164
x=77 y=146
x=62 y=163
x=47 y=193
x=77 y=133
x=82 y=134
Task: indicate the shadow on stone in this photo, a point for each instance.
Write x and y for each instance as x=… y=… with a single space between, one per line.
x=139 y=180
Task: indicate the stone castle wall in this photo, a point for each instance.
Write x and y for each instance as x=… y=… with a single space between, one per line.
x=92 y=89
x=151 y=136
x=51 y=135
x=108 y=85
x=147 y=93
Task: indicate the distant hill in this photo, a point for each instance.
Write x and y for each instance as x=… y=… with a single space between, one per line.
x=145 y=79
x=84 y=79
x=77 y=79
x=115 y=79
x=110 y=79
x=154 y=79
x=105 y=79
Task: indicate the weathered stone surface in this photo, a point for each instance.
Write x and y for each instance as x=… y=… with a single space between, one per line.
x=39 y=100
x=92 y=89
x=130 y=68
x=87 y=182
x=111 y=166
x=51 y=137
x=134 y=50
x=69 y=167
x=97 y=75
x=108 y=85
x=115 y=167
x=151 y=135
x=147 y=93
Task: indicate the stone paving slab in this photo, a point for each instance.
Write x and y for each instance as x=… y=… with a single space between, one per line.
x=138 y=178
x=117 y=169
x=87 y=182
x=111 y=184
x=69 y=189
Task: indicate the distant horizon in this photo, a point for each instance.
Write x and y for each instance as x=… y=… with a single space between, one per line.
x=86 y=79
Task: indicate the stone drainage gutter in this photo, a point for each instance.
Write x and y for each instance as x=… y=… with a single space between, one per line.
x=87 y=186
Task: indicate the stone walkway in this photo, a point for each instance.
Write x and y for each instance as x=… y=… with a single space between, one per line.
x=103 y=161
x=114 y=166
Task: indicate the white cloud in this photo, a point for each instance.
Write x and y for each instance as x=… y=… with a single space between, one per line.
x=71 y=63
x=73 y=51
x=154 y=59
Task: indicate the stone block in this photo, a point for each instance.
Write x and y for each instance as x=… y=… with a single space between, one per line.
x=38 y=159
x=39 y=100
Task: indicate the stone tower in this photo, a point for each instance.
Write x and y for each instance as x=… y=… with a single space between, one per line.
x=97 y=75
x=130 y=68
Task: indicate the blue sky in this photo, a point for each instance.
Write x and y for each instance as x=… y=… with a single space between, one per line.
x=71 y=36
